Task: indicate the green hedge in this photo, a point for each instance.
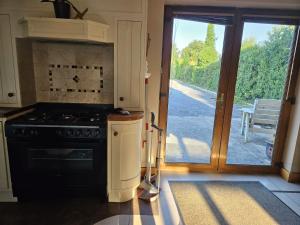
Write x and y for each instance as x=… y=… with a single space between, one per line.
x=262 y=66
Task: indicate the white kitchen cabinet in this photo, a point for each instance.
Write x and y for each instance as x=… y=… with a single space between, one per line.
x=124 y=159
x=5 y=183
x=7 y=72
x=17 y=86
x=130 y=64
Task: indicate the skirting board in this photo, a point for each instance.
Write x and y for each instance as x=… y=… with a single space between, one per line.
x=291 y=177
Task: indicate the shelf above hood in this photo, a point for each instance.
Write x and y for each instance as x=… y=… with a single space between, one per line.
x=64 y=29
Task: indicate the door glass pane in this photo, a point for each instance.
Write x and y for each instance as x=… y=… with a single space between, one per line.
x=263 y=65
x=194 y=78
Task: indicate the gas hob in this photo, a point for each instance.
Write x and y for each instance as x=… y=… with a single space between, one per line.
x=61 y=121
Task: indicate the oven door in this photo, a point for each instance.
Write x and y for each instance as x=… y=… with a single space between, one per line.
x=53 y=167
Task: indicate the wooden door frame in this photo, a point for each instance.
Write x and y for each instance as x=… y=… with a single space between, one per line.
x=231 y=50
x=170 y=14
x=287 y=101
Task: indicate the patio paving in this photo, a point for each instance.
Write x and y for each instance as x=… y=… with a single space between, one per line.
x=190 y=126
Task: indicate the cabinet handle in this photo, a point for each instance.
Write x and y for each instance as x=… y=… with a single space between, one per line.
x=121 y=99
x=116 y=133
x=11 y=94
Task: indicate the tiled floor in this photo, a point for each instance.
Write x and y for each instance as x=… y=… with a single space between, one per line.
x=136 y=212
x=167 y=211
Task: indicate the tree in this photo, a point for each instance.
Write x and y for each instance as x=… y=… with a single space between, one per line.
x=210 y=40
x=190 y=60
x=263 y=67
x=209 y=53
x=248 y=43
x=191 y=55
x=174 y=60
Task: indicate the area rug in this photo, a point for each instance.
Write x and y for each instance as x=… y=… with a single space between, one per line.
x=234 y=203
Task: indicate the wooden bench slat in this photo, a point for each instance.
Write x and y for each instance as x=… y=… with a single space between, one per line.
x=265 y=116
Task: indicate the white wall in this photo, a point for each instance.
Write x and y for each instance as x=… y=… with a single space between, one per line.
x=155 y=29
x=296 y=159
x=292 y=145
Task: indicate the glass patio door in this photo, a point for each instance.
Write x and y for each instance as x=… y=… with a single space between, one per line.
x=195 y=91
x=194 y=80
x=259 y=96
x=227 y=85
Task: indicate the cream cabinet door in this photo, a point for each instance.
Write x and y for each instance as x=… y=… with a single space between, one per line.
x=129 y=66
x=7 y=72
x=3 y=172
x=125 y=154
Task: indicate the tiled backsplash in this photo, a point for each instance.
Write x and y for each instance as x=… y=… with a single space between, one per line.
x=73 y=73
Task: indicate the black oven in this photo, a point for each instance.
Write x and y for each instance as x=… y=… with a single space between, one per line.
x=59 y=150
x=56 y=167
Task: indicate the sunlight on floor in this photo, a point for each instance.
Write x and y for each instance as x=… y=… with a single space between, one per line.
x=187 y=149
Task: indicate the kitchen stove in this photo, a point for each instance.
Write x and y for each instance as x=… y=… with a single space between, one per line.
x=59 y=149
x=60 y=121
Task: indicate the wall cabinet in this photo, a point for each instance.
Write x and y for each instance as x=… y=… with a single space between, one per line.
x=17 y=86
x=8 y=91
x=129 y=64
x=124 y=159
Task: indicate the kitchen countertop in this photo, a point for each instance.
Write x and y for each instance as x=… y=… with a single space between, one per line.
x=9 y=111
x=121 y=117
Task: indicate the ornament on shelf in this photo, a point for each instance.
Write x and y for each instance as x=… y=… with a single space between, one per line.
x=62 y=9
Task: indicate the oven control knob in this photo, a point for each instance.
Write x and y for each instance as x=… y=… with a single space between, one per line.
x=93 y=133
x=77 y=133
x=69 y=133
x=59 y=133
x=32 y=132
x=87 y=133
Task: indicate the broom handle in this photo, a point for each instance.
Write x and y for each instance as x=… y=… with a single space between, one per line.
x=158 y=158
x=148 y=133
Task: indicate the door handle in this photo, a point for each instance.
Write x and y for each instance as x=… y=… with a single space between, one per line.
x=11 y=94
x=220 y=100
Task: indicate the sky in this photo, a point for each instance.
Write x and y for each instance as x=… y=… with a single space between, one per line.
x=185 y=31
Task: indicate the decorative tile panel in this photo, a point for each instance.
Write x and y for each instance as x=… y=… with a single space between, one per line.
x=77 y=73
